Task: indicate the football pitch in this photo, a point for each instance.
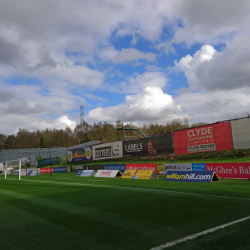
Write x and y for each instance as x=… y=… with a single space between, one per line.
x=69 y=212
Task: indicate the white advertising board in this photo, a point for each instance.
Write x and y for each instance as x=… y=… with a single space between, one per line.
x=108 y=173
x=177 y=167
x=33 y=173
x=108 y=151
x=87 y=173
x=241 y=133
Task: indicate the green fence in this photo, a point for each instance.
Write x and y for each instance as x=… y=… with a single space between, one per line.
x=48 y=161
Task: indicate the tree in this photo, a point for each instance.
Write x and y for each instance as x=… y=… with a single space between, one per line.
x=3 y=139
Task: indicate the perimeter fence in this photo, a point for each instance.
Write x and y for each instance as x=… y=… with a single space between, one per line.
x=32 y=154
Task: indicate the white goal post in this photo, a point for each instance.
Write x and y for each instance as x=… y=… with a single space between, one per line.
x=13 y=164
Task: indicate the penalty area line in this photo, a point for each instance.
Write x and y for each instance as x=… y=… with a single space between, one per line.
x=191 y=237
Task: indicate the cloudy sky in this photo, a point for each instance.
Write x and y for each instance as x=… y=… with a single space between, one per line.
x=135 y=60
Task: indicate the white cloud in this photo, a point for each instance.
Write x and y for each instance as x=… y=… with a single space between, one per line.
x=210 y=21
x=125 y=55
x=10 y=124
x=152 y=105
x=209 y=69
x=59 y=122
x=107 y=53
x=204 y=54
x=95 y=97
x=128 y=55
x=137 y=83
x=219 y=105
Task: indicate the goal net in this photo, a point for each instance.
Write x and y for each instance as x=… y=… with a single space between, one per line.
x=10 y=166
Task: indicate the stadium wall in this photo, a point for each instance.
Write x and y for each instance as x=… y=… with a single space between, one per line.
x=220 y=136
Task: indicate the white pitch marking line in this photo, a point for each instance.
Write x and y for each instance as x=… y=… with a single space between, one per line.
x=134 y=189
x=170 y=244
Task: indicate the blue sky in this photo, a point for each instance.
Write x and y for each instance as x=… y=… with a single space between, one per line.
x=136 y=61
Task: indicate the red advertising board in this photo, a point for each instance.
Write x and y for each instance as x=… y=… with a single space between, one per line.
x=142 y=166
x=213 y=137
x=230 y=170
x=45 y=170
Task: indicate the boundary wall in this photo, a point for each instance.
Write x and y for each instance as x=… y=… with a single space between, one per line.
x=225 y=135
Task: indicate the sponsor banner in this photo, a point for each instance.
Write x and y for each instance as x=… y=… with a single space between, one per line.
x=139 y=174
x=128 y=174
x=230 y=170
x=33 y=173
x=198 y=167
x=86 y=167
x=79 y=154
x=23 y=173
x=79 y=172
x=146 y=174
x=77 y=168
x=46 y=170
x=108 y=173
x=213 y=137
x=60 y=170
x=87 y=173
x=94 y=167
x=191 y=176
x=120 y=167
x=241 y=133
x=142 y=166
x=177 y=167
x=107 y=151
x=153 y=145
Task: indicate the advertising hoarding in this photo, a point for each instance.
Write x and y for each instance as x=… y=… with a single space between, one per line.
x=79 y=154
x=198 y=167
x=120 y=167
x=79 y=172
x=33 y=173
x=107 y=151
x=213 y=137
x=128 y=174
x=87 y=173
x=230 y=170
x=241 y=133
x=153 y=145
x=60 y=170
x=146 y=174
x=86 y=167
x=191 y=176
x=46 y=170
x=142 y=166
x=108 y=173
x=177 y=167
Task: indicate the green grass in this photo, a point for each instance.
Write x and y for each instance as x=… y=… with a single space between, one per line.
x=69 y=212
